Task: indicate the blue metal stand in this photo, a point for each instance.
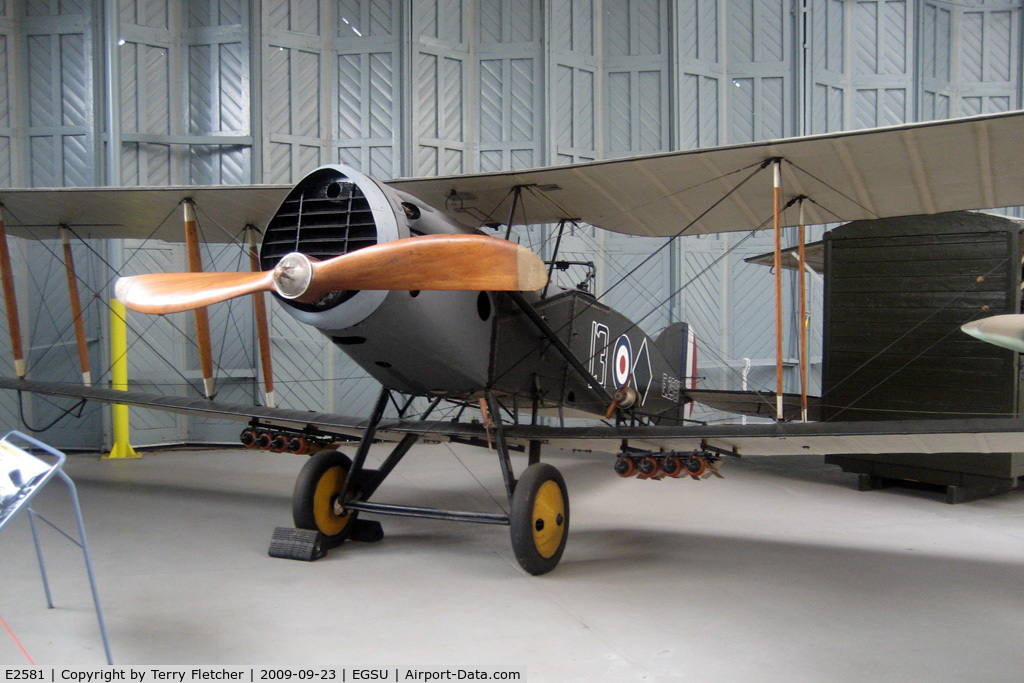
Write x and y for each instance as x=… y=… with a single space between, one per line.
x=42 y=470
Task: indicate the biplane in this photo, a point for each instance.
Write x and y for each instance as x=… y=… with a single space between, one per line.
x=412 y=279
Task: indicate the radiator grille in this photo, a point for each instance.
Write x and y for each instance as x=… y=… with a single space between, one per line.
x=326 y=215
x=323 y=217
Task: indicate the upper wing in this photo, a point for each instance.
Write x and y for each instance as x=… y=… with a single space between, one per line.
x=971 y=163
x=959 y=164
x=139 y=212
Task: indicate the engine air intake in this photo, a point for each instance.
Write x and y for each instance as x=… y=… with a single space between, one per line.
x=324 y=216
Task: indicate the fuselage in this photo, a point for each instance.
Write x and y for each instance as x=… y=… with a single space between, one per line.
x=457 y=344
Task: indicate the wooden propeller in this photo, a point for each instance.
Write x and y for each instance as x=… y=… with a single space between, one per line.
x=624 y=396
x=453 y=262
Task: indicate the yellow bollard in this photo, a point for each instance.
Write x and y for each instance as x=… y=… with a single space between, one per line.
x=119 y=380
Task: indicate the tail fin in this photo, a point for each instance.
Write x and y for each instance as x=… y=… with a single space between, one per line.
x=677 y=341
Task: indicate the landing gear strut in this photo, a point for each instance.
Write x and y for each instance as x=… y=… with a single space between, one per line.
x=332 y=490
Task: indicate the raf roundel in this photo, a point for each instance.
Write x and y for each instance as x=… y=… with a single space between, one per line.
x=623 y=361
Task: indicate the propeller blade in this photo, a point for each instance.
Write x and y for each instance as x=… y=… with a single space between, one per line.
x=1002 y=330
x=449 y=262
x=161 y=293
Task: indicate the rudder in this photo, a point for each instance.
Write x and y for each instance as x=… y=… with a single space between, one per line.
x=678 y=344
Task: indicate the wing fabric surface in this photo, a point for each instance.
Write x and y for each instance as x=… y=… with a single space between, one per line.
x=982 y=435
x=187 y=406
x=927 y=168
x=139 y=212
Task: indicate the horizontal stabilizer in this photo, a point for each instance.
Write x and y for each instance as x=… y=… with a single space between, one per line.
x=814 y=256
x=755 y=403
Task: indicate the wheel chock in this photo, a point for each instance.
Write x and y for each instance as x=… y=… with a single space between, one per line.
x=297 y=544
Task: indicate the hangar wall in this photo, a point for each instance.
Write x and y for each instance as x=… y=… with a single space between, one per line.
x=238 y=91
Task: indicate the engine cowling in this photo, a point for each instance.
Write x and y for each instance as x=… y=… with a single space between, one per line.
x=420 y=342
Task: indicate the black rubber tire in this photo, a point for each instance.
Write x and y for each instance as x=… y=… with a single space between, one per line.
x=539 y=556
x=327 y=469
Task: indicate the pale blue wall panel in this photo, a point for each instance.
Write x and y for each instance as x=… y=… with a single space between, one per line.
x=509 y=81
x=8 y=173
x=58 y=44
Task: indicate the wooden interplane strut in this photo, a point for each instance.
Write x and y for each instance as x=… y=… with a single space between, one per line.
x=11 y=302
x=803 y=317
x=777 y=215
x=76 y=308
x=195 y=265
x=262 y=328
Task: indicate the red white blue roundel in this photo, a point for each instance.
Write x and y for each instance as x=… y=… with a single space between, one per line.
x=623 y=361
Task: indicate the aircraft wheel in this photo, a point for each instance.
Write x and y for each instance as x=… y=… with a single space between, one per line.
x=315 y=502
x=539 y=521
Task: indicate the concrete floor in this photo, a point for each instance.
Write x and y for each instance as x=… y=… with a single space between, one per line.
x=782 y=571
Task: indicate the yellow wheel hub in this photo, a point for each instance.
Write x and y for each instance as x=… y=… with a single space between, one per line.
x=548 y=519
x=325 y=510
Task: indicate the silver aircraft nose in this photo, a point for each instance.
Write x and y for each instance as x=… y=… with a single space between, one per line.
x=1002 y=330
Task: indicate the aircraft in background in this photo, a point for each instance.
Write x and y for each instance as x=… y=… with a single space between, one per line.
x=1006 y=330
x=403 y=278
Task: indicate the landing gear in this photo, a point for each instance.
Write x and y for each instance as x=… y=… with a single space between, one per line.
x=539 y=522
x=332 y=490
x=316 y=502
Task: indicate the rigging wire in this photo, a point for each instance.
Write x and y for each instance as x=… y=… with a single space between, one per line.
x=448 y=445
x=947 y=306
x=231 y=309
x=704 y=344
x=760 y=166
x=589 y=304
x=141 y=337
x=727 y=365
x=833 y=189
x=617 y=283
x=36 y=360
x=959 y=298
